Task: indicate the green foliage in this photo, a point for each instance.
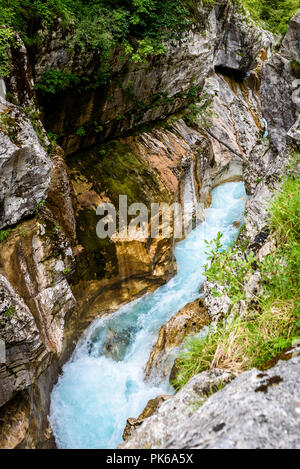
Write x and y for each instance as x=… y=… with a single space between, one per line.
x=229 y=269
x=55 y=81
x=200 y=109
x=103 y=25
x=9 y=126
x=100 y=25
x=39 y=205
x=285 y=208
x=80 y=131
x=9 y=312
x=145 y=48
x=243 y=344
x=274 y=13
x=7 y=39
x=23 y=233
x=272 y=323
x=4 y=235
x=66 y=271
x=139 y=26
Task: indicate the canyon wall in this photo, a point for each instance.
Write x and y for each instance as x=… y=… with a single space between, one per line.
x=56 y=275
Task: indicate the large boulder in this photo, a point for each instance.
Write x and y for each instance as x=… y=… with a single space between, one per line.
x=155 y=430
x=257 y=410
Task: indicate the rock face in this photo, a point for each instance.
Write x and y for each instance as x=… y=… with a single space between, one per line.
x=35 y=260
x=280 y=86
x=189 y=320
x=25 y=167
x=32 y=319
x=41 y=316
x=24 y=349
x=255 y=411
x=156 y=430
x=220 y=37
x=270 y=399
x=149 y=410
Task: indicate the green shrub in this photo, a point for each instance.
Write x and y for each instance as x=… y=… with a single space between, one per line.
x=276 y=14
x=98 y=25
x=80 y=131
x=55 y=81
x=4 y=235
x=39 y=205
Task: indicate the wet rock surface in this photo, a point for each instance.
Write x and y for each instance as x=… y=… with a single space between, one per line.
x=189 y=320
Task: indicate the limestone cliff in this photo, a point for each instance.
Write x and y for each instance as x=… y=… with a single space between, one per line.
x=263 y=405
x=56 y=275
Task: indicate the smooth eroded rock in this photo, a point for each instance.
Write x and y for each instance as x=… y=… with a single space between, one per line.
x=189 y=320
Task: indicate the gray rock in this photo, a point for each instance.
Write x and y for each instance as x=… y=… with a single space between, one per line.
x=255 y=411
x=278 y=88
x=157 y=429
x=291 y=41
x=25 y=167
x=24 y=348
x=33 y=304
x=293 y=135
x=278 y=107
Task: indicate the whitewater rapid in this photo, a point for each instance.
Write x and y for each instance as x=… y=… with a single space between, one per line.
x=103 y=383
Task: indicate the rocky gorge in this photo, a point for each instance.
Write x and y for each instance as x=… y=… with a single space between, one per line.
x=138 y=136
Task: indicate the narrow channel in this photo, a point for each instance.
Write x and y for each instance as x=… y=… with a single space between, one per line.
x=103 y=383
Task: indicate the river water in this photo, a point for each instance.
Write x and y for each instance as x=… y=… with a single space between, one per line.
x=103 y=383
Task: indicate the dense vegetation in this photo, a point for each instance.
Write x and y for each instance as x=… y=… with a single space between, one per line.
x=272 y=322
x=140 y=26
x=274 y=13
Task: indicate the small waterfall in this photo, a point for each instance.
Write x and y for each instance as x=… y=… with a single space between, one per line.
x=103 y=384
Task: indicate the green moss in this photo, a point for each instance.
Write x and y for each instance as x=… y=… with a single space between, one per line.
x=4 y=235
x=99 y=259
x=114 y=169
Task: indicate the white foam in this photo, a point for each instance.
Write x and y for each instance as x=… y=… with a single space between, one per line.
x=96 y=394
